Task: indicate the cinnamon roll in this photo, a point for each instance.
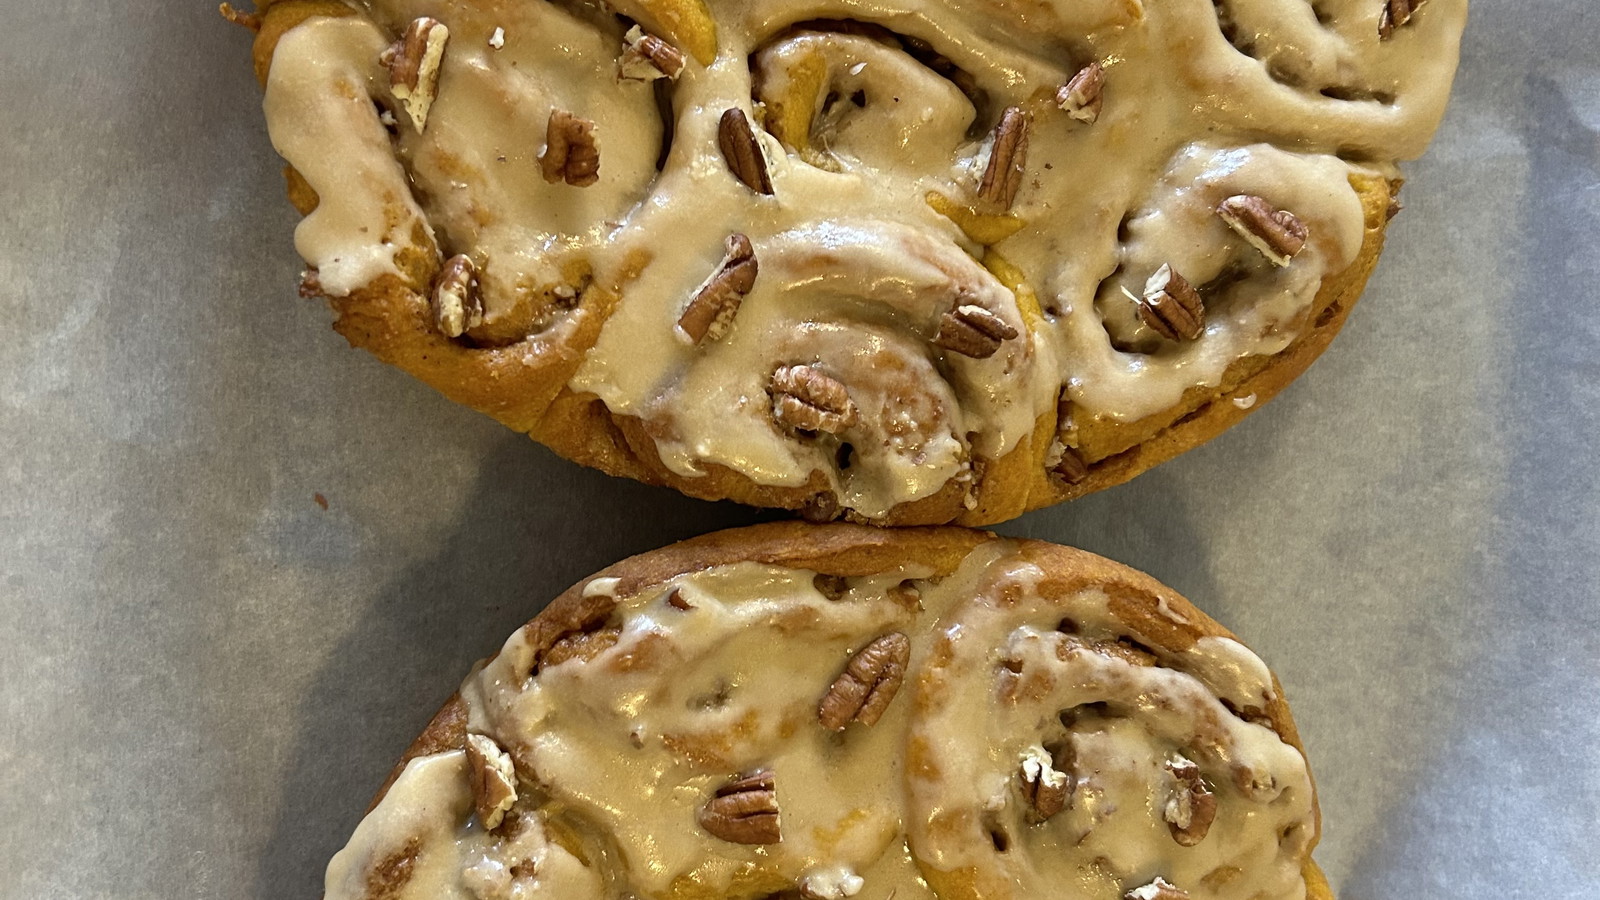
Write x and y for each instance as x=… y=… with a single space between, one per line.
x=832 y=711
x=1028 y=248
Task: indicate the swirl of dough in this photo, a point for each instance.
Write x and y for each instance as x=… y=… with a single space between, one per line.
x=476 y=166
x=863 y=302
x=1251 y=307
x=1324 y=70
x=1067 y=734
x=852 y=101
x=701 y=699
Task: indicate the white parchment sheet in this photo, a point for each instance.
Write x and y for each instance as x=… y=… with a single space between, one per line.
x=204 y=674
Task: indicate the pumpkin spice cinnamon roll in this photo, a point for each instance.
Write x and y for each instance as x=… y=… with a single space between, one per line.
x=897 y=261
x=840 y=711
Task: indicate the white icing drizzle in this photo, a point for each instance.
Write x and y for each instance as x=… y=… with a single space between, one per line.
x=624 y=749
x=320 y=116
x=1188 y=118
x=421 y=843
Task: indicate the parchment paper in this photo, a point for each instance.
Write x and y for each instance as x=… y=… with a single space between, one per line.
x=206 y=674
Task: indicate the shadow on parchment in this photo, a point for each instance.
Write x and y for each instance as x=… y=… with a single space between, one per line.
x=534 y=525
x=1543 y=563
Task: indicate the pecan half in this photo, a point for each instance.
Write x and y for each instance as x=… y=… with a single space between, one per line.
x=457 y=305
x=646 y=57
x=494 y=780
x=717 y=300
x=1171 y=306
x=1277 y=233
x=1191 y=807
x=1046 y=788
x=413 y=63
x=1083 y=94
x=869 y=683
x=571 y=153
x=1159 y=889
x=744 y=811
x=971 y=330
x=1002 y=177
x=742 y=151
x=1395 y=14
x=806 y=400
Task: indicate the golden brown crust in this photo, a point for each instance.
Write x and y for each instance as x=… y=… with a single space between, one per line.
x=1136 y=599
x=524 y=384
x=277 y=18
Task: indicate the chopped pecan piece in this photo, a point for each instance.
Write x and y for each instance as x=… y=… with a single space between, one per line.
x=1046 y=788
x=1258 y=787
x=413 y=63
x=1002 y=177
x=457 y=305
x=869 y=683
x=1159 y=889
x=744 y=811
x=1277 y=233
x=971 y=330
x=494 y=780
x=676 y=600
x=806 y=400
x=717 y=300
x=1068 y=465
x=1083 y=94
x=820 y=508
x=1396 y=13
x=1172 y=307
x=1191 y=807
x=310 y=284
x=742 y=151
x=570 y=151
x=646 y=57
x=831 y=586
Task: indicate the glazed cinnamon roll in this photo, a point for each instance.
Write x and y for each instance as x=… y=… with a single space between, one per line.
x=1016 y=251
x=838 y=711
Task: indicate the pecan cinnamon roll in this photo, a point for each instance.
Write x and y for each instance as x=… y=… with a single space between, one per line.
x=839 y=711
x=1012 y=233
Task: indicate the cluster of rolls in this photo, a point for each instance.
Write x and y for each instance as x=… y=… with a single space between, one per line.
x=898 y=262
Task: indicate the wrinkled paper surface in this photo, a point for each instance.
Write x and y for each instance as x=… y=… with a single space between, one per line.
x=206 y=674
